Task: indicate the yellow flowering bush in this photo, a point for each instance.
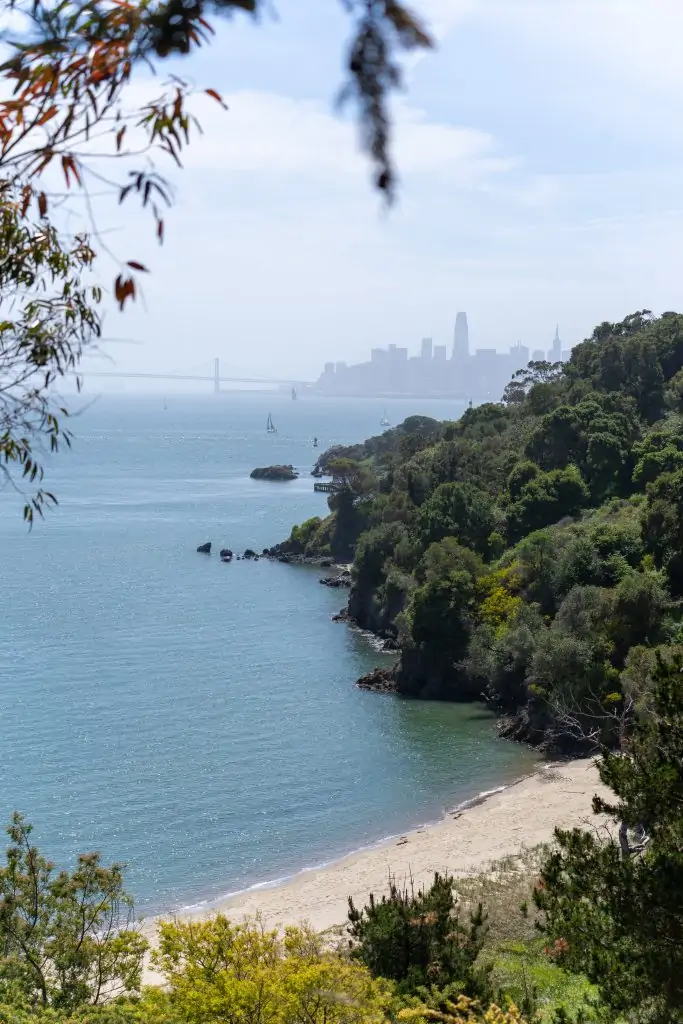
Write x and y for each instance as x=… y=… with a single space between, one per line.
x=464 y=1011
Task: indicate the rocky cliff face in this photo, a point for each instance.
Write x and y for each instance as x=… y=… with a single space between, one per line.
x=376 y=611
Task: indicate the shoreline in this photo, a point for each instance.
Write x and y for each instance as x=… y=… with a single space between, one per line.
x=465 y=840
x=214 y=905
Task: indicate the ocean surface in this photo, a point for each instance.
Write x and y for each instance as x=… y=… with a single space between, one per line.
x=195 y=720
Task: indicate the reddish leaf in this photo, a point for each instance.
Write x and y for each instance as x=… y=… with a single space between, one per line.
x=216 y=96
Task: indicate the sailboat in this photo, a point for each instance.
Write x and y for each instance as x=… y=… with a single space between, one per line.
x=315 y=442
x=384 y=422
x=270 y=426
x=294 y=394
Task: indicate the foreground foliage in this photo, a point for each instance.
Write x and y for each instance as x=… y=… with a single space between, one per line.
x=218 y=970
x=66 y=938
x=613 y=905
x=416 y=938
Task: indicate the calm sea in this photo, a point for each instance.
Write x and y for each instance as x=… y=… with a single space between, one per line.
x=199 y=721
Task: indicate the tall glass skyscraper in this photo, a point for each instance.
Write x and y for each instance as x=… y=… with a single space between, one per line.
x=461 y=340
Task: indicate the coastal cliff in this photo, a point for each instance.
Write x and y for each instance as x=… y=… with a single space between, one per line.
x=527 y=554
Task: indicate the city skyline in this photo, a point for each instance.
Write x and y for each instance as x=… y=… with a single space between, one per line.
x=481 y=374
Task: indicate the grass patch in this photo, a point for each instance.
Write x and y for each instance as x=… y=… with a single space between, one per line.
x=503 y=887
x=527 y=976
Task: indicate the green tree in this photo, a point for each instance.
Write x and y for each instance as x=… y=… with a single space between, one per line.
x=546 y=499
x=458 y=510
x=613 y=906
x=66 y=938
x=49 y=317
x=244 y=974
x=417 y=938
x=663 y=526
x=440 y=616
x=533 y=374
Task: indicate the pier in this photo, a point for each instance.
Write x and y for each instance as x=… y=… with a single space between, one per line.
x=328 y=488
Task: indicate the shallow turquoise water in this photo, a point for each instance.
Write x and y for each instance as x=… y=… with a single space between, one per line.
x=198 y=720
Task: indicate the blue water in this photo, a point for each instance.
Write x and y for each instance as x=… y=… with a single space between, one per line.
x=199 y=721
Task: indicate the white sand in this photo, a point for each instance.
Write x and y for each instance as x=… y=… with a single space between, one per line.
x=524 y=814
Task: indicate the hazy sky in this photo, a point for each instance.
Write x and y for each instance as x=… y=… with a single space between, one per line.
x=540 y=150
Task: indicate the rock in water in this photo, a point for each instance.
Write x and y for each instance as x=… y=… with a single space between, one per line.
x=342 y=580
x=250 y=554
x=204 y=549
x=274 y=473
x=380 y=680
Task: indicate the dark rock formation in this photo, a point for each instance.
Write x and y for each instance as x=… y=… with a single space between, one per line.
x=380 y=680
x=274 y=473
x=250 y=554
x=204 y=549
x=279 y=553
x=342 y=580
x=375 y=616
x=341 y=616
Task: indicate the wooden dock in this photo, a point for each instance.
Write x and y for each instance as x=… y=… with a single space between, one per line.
x=328 y=488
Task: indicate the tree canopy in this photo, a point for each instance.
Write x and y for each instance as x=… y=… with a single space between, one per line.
x=530 y=552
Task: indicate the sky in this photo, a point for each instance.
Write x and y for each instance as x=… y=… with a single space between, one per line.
x=540 y=158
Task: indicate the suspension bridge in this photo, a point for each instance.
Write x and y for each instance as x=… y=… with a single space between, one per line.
x=214 y=378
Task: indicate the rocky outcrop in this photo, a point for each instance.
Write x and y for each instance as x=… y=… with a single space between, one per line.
x=249 y=554
x=274 y=473
x=343 y=579
x=377 y=617
x=279 y=553
x=380 y=680
x=204 y=549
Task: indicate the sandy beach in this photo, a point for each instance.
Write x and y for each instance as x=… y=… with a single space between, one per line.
x=464 y=841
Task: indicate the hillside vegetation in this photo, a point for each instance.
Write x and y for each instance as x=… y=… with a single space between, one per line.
x=530 y=553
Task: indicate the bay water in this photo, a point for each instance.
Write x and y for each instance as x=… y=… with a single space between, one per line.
x=194 y=720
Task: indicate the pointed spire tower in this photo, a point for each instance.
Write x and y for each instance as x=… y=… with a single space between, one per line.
x=556 y=351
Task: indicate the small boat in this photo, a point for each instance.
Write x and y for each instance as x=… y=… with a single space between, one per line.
x=270 y=426
x=384 y=422
x=294 y=394
x=315 y=442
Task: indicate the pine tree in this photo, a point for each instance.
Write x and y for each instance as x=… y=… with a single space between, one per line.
x=614 y=907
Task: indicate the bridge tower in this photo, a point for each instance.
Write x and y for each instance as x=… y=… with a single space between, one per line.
x=216 y=376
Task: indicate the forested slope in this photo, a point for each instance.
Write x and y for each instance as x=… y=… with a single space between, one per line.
x=531 y=552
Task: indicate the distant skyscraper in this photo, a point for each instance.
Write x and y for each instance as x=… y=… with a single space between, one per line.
x=555 y=354
x=461 y=339
x=426 y=353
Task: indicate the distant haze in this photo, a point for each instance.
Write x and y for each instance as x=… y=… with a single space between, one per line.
x=541 y=164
